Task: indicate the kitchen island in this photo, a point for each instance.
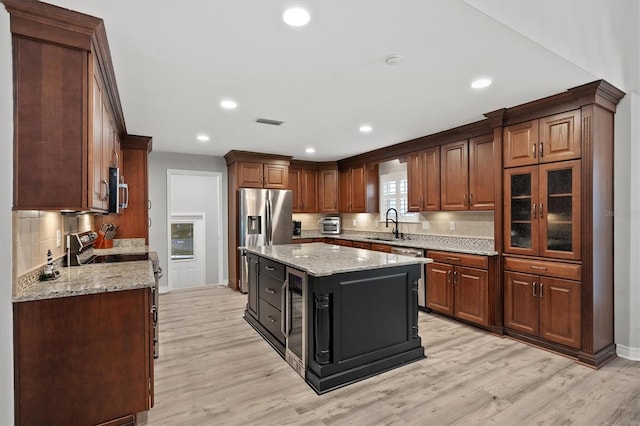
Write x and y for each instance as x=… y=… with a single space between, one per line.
x=336 y=314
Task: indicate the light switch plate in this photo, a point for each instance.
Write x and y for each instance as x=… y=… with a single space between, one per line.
x=452 y=226
x=58 y=238
x=425 y=224
x=354 y=222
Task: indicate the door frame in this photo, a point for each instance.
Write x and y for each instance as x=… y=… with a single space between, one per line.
x=220 y=238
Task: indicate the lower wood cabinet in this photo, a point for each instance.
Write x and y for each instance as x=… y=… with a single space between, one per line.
x=543 y=307
x=83 y=360
x=458 y=286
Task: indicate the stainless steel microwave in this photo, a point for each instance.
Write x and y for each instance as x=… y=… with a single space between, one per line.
x=118 y=191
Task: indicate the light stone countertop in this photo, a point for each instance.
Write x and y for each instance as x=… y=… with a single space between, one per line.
x=320 y=259
x=470 y=245
x=94 y=278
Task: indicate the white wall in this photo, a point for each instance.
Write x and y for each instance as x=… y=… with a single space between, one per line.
x=6 y=193
x=159 y=162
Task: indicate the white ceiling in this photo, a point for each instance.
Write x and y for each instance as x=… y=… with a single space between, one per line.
x=176 y=60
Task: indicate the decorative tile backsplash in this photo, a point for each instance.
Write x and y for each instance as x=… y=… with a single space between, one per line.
x=34 y=233
x=467 y=224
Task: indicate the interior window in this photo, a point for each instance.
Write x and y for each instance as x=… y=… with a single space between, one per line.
x=394 y=191
x=181 y=241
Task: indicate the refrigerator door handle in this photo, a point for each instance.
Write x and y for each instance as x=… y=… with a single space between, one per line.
x=269 y=227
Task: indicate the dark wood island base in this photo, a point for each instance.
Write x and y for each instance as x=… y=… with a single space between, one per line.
x=358 y=324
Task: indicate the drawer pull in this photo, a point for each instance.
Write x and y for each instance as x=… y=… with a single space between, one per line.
x=270 y=290
x=270 y=318
x=539 y=268
x=269 y=268
x=456 y=259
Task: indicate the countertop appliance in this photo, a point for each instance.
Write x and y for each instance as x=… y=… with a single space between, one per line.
x=330 y=225
x=80 y=248
x=297 y=227
x=422 y=282
x=264 y=219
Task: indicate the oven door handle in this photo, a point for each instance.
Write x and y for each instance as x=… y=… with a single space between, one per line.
x=284 y=290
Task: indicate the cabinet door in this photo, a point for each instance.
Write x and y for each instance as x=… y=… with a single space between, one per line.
x=471 y=294
x=345 y=191
x=560 y=311
x=431 y=184
x=99 y=184
x=252 y=288
x=328 y=191
x=415 y=181
x=250 y=175
x=309 y=188
x=559 y=137
x=481 y=173
x=358 y=189
x=295 y=185
x=440 y=287
x=275 y=176
x=454 y=174
x=521 y=302
x=559 y=210
x=521 y=144
x=520 y=210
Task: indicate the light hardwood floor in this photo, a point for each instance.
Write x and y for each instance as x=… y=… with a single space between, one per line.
x=214 y=369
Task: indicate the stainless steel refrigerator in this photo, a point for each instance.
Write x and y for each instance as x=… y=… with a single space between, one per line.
x=265 y=218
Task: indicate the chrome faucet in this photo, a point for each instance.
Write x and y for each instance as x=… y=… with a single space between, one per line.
x=395 y=232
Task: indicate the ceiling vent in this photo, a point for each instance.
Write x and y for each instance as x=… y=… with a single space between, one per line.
x=267 y=121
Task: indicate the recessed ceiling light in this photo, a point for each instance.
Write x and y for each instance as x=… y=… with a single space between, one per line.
x=394 y=59
x=296 y=17
x=365 y=128
x=310 y=150
x=203 y=138
x=481 y=83
x=228 y=104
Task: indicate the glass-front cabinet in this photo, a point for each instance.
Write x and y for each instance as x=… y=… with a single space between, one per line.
x=542 y=209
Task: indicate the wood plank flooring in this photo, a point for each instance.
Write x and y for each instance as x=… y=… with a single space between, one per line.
x=214 y=369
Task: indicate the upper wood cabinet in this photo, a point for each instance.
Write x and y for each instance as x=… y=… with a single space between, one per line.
x=467 y=174
x=263 y=175
x=545 y=140
x=359 y=189
x=423 y=174
x=133 y=222
x=303 y=183
x=66 y=109
x=328 y=190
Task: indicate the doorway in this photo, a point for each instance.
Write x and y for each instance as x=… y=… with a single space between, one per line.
x=194 y=228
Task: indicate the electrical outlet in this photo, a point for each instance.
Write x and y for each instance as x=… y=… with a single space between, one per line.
x=354 y=222
x=452 y=226
x=58 y=238
x=425 y=224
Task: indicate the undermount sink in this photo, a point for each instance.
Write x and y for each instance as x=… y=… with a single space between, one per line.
x=380 y=238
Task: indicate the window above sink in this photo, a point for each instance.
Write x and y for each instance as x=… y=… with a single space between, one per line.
x=394 y=191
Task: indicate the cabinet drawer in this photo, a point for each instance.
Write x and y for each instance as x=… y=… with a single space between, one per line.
x=362 y=245
x=270 y=319
x=270 y=289
x=541 y=267
x=471 y=260
x=271 y=268
x=381 y=247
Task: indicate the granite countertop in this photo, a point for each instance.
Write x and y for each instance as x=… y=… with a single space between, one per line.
x=470 y=245
x=320 y=259
x=94 y=278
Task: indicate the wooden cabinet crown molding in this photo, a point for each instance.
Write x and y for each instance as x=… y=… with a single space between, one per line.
x=234 y=156
x=53 y=24
x=137 y=142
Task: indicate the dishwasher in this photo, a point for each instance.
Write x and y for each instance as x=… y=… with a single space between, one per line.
x=422 y=282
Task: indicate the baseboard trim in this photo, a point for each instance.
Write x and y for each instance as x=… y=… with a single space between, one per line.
x=627 y=352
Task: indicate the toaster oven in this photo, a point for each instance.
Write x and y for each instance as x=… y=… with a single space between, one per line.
x=330 y=225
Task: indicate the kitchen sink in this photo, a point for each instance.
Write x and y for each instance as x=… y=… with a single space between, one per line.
x=381 y=238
